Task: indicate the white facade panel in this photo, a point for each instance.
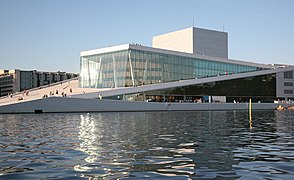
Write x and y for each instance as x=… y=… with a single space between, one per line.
x=195 y=41
x=59 y=104
x=210 y=43
x=105 y=50
x=181 y=41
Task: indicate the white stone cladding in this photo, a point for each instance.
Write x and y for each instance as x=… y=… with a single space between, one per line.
x=181 y=40
x=195 y=41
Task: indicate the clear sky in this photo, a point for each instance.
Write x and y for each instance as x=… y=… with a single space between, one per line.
x=48 y=35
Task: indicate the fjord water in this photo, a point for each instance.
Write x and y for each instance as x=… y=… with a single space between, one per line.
x=156 y=145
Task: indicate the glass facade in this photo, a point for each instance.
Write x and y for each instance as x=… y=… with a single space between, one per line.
x=105 y=70
x=136 y=67
x=259 y=88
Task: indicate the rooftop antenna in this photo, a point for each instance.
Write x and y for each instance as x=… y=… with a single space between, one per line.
x=223 y=27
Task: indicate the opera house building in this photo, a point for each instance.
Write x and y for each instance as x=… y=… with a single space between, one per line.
x=192 y=54
x=184 y=70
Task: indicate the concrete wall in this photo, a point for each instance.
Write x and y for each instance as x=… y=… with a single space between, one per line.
x=181 y=40
x=194 y=41
x=59 y=104
x=210 y=43
x=280 y=85
x=16 y=80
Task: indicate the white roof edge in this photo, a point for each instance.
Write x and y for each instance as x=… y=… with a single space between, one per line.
x=173 y=32
x=165 y=51
x=192 y=29
x=105 y=50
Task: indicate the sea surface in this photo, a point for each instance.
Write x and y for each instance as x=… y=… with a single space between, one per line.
x=155 y=145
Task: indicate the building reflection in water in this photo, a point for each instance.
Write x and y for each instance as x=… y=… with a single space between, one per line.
x=119 y=143
x=203 y=144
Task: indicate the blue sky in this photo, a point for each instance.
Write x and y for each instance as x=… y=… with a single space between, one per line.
x=49 y=35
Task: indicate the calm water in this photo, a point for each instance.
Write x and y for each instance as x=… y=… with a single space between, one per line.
x=157 y=145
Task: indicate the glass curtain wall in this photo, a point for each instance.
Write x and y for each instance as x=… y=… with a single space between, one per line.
x=105 y=70
x=151 y=67
x=259 y=88
x=136 y=67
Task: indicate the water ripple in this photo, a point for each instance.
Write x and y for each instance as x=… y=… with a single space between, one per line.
x=155 y=145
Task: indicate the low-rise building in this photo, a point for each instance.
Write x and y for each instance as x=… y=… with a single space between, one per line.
x=17 y=80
